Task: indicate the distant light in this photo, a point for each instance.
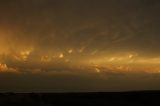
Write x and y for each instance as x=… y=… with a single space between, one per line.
x=131 y=56
x=112 y=59
x=61 y=55
x=70 y=51
x=97 y=70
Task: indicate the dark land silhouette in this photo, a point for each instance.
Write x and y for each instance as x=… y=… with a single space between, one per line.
x=137 y=98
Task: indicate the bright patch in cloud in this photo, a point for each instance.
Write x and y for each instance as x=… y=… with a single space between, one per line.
x=5 y=68
x=61 y=55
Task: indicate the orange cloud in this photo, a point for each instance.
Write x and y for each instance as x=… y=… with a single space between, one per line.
x=5 y=68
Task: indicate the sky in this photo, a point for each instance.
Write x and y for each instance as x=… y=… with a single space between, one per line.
x=79 y=45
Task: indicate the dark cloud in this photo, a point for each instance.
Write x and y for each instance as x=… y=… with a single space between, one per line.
x=88 y=27
x=76 y=82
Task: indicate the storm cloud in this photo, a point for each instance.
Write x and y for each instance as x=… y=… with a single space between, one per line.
x=45 y=37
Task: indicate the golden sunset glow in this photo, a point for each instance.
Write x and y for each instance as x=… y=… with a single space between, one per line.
x=128 y=63
x=70 y=51
x=80 y=44
x=61 y=55
x=4 y=68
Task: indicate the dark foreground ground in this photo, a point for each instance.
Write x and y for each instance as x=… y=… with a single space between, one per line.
x=151 y=98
